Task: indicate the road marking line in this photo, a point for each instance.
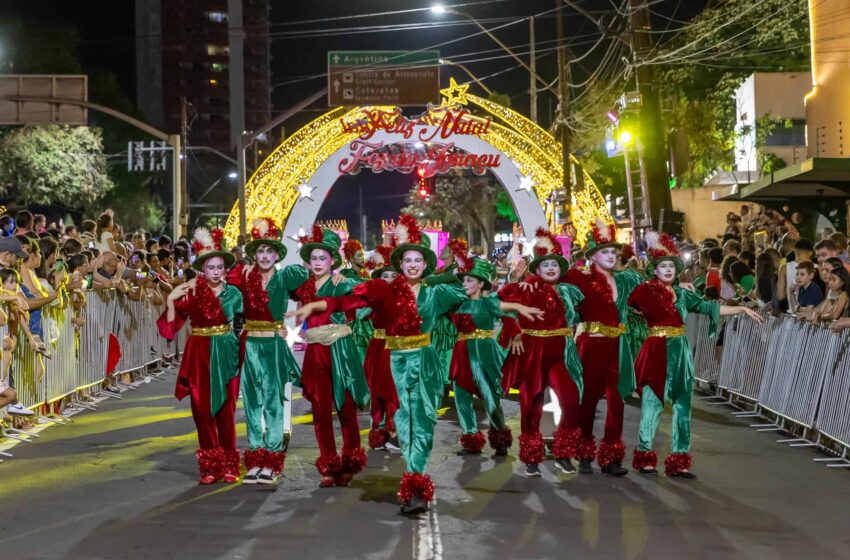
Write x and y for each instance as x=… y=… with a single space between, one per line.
x=427 y=544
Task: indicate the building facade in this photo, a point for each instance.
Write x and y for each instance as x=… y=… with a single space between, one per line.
x=182 y=51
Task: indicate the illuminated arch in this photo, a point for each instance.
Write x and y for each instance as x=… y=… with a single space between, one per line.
x=311 y=155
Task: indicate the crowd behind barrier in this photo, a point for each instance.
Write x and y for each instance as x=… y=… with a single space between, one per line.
x=793 y=373
x=77 y=368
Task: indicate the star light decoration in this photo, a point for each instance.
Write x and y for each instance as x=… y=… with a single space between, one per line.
x=293 y=335
x=526 y=182
x=305 y=191
x=301 y=233
x=454 y=94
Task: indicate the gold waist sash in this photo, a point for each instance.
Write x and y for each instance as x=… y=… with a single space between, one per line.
x=608 y=331
x=327 y=334
x=263 y=326
x=211 y=331
x=477 y=334
x=667 y=331
x=407 y=342
x=566 y=331
x=379 y=334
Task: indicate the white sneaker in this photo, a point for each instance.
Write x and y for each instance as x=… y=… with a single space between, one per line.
x=19 y=410
x=393 y=445
x=266 y=476
x=251 y=477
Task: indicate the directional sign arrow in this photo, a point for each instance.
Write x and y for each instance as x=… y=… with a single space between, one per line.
x=336 y=86
x=336 y=59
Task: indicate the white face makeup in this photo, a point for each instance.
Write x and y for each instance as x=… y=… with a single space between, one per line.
x=389 y=275
x=413 y=265
x=214 y=270
x=606 y=258
x=472 y=285
x=266 y=257
x=666 y=271
x=320 y=262
x=549 y=270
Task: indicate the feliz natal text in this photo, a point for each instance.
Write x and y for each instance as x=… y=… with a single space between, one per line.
x=452 y=123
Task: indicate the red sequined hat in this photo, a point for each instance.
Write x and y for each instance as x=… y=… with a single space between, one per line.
x=661 y=248
x=207 y=244
x=600 y=237
x=264 y=231
x=546 y=247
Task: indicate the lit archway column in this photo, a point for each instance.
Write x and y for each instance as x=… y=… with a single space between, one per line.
x=529 y=212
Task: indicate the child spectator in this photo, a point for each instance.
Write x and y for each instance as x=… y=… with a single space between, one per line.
x=805 y=294
x=835 y=305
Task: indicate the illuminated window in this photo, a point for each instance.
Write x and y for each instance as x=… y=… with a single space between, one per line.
x=217 y=50
x=217 y=67
x=217 y=17
x=213 y=82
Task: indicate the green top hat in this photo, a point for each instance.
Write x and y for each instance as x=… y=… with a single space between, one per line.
x=265 y=232
x=411 y=238
x=325 y=240
x=482 y=270
x=206 y=245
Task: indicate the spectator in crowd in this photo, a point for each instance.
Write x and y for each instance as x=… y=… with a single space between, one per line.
x=71 y=247
x=826 y=249
x=805 y=294
x=106 y=240
x=743 y=279
x=151 y=246
x=37 y=297
x=39 y=223
x=765 y=272
x=840 y=241
x=835 y=305
x=713 y=281
x=11 y=249
x=165 y=242
x=111 y=271
x=731 y=247
x=24 y=221
x=71 y=232
x=727 y=283
x=748 y=258
x=775 y=257
x=89 y=234
x=7 y=225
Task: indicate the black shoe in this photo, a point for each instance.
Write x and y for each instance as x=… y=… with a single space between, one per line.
x=532 y=469
x=468 y=453
x=393 y=445
x=614 y=469
x=585 y=466
x=565 y=465
x=112 y=390
x=648 y=470
x=414 y=505
x=685 y=474
x=502 y=452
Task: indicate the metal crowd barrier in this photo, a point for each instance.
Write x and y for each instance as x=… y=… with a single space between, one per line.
x=706 y=364
x=79 y=356
x=795 y=374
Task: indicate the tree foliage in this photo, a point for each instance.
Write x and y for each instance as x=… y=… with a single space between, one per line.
x=713 y=55
x=53 y=164
x=466 y=204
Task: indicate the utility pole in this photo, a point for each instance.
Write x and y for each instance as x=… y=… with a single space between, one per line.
x=563 y=113
x=532 y=92
x=651 y=135
x=181 y=199
x=236 y=82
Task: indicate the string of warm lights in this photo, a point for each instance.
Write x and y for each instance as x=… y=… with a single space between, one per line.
x=284 y=176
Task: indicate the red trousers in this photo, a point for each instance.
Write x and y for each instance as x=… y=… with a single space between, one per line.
x=553 y=373
x=382 y=414
x=317 y=359
x=600 y=359
x=219 y=430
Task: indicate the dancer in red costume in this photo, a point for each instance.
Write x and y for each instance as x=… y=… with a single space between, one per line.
x=209 y=367
x=544 y=355
x=605 y=354
x=376 y=366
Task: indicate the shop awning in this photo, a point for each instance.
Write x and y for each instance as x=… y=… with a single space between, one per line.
x=816 y=177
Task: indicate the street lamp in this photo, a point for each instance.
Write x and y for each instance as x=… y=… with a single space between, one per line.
x=438 y=9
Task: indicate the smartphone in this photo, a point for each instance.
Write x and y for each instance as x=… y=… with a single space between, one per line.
x=140 y=275
x=89 y=280
x=180 y=262
x=180 y=273
x=91 y=244
x=59 y=266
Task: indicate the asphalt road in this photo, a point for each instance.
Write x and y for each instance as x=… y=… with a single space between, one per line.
x=122 y=483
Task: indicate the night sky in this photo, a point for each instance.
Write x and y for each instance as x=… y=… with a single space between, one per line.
x=107 y=43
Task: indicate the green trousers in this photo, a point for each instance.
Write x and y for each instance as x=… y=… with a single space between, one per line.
x=466 y=410
x=419 y=383
x=445 y=364
x=263 y=382
x=650 y=415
